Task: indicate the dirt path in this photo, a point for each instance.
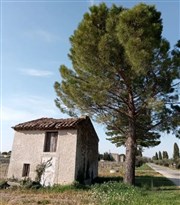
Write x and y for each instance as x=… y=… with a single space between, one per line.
x=173 y=175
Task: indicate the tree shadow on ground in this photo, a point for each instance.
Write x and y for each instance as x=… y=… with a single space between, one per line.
x=147 y=182
x=153 y=182
x=101 y=180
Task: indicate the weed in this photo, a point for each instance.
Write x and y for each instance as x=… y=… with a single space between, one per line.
x=43 y=202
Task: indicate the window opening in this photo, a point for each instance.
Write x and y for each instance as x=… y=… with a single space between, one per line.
x=50 y=142
x=26 y=170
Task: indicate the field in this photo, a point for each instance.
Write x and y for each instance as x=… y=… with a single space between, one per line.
x=151 y=189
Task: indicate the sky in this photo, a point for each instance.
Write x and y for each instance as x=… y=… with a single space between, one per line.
x=34 y=37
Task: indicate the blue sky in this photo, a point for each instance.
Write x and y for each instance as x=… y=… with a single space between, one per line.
x=35 y=42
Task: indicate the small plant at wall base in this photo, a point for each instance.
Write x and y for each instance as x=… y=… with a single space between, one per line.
x=41 y=168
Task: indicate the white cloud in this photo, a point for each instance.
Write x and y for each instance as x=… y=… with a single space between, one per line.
x=25 y=108
x=36 y=72
x=11 y=114
x=42 y=34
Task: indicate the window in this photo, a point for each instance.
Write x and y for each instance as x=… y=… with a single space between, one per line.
x=50 y=143
x=26 y=169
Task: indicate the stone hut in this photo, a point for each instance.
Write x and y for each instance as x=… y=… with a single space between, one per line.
x=118 y=157
x=122 y=157
x=69 y=146
x=115 y=157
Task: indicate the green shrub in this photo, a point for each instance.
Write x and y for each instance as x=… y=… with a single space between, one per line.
x=178 y=164
x=29 y=184
x=140 y=161
x=160 y=162
x=166 y=162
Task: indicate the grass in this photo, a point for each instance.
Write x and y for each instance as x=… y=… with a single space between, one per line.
x=151 y=189
x=107 y=193
x=114 y=193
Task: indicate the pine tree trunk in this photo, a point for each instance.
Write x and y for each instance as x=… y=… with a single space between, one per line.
x=129 y=177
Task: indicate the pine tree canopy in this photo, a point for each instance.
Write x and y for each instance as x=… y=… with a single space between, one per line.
x=123 y=71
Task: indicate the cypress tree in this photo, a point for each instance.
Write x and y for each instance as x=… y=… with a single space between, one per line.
x=176 y=151
x=160 y=156
x=156 y=156
x=165 y=155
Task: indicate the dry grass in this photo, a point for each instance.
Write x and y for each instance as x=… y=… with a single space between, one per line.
x=145 y=170
x=20 y=196
x=31 y=197
x=69 y=197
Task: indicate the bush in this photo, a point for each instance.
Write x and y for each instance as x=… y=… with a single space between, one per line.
x=29 y=184
x=166 y=162
x=178 y=164
x=140 y=161
x=4 y=185
x=161 y=162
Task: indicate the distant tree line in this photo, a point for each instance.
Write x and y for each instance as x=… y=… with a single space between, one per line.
x=106 y=156
x=162 y=158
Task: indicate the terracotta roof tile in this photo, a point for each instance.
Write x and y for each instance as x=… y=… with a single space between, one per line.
x=50 y=124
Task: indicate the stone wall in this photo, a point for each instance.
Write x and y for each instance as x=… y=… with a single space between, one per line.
x=118 y=157
x=28 y=149
x=105 y=167
x=67 y=156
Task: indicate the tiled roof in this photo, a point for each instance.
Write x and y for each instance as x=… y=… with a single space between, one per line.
x=50 y=124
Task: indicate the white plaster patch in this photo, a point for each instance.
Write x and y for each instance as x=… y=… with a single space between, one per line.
x=49 y=174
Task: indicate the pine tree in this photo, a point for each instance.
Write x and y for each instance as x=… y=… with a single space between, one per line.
x=120 y=63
